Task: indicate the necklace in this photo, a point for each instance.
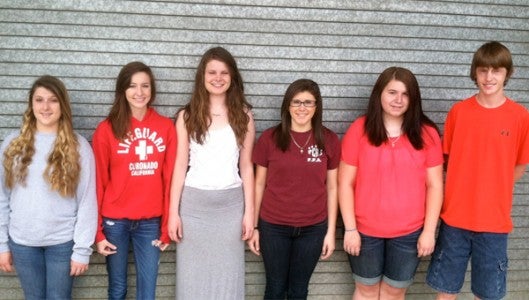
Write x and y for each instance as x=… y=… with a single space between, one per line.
x=393 y=140
x=296 y=143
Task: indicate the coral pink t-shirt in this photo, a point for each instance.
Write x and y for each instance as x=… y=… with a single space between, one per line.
x=390 y=185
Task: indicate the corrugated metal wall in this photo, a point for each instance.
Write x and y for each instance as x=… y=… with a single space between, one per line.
x=343 y=45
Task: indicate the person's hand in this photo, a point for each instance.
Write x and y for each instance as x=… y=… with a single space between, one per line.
x=352 y=242
x=253 y=243
x=105 y=248
x=329 y=245
x=174 y=228
x=247 y=227
x=6 y=262
x=161 y=245
x=425 y=244
x=77 y=268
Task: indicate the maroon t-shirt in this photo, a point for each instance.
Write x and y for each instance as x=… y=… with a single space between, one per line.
x=296 y=191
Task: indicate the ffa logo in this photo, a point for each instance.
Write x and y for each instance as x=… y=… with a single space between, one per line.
x=314 y=154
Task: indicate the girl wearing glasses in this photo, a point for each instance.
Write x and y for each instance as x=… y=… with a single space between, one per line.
x=295 y=193
x=391 y=187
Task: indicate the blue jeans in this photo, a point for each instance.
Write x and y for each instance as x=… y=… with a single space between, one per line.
x=139 y=233
x=44 y=272
x=290 y=255
x=393 y=260
x=487 y=252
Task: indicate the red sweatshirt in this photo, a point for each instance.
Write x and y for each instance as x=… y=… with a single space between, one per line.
x=134 y=175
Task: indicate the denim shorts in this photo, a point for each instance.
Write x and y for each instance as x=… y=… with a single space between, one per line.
x=393 y=260
x=488 y=255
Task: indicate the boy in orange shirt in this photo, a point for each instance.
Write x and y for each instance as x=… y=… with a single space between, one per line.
x=486 y=143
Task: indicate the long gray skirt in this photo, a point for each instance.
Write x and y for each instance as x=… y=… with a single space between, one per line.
x=210 y=257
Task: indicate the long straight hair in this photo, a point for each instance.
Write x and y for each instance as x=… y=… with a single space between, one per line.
x=63 y=167
x=120 y=114
x=282 y=131
x=196 y=113
x=414 y=117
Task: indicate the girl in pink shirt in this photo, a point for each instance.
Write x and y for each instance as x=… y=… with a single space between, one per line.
x=390 y=187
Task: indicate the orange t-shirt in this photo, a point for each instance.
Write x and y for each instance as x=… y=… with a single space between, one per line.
x=484 y=145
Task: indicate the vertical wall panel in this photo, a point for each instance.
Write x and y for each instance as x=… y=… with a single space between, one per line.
x=343 y=45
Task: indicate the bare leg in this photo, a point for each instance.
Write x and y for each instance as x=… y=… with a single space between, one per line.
x=446 y=296
x=387 y=292
x=366 y=292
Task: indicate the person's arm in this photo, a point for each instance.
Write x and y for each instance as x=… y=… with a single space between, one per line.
x=260 y=183
x=434 y=201
x=346 y=180
x=86 y=219
x=519 y=170
x=6 y=261
x=102 y=159
x=167 y=174
x=329 y=242
x=174 y=222
x=247 y=176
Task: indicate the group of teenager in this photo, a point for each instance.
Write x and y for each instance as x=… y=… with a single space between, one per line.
x=207 y=185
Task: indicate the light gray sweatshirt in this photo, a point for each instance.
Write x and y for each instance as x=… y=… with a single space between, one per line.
x=34 y=215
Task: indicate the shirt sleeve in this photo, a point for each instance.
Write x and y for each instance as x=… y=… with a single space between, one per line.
x=86 y=223
x=102 y=165
x=448 y=131
x=523 y=153
x=5 y=194
x=333 y=147
x=260 y=150
x=351 y=142
x=433 y=147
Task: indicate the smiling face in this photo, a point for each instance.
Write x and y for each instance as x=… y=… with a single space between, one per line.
x=46 y=109
x=138 y=93
x=301 y=115
x=217 y=78
x=395 y=99
x=491 y=81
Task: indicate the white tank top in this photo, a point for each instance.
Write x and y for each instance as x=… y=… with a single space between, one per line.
x=214 y=164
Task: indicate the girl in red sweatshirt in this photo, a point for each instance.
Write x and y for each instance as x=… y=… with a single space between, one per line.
x=135 y=150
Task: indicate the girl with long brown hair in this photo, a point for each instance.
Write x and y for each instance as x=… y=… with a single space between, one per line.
x=390 y=187
x=135 y=150
x=211 y=213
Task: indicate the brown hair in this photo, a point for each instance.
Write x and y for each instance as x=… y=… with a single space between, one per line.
x=120 y=113
x=282 y=131
x=492 y=54
x=63 y=168
x=414 y=117
x=196 y=113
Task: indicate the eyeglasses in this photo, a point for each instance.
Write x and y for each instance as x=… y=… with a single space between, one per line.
x=306 y=103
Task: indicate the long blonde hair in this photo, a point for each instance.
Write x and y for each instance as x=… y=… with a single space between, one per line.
x=63 y=167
